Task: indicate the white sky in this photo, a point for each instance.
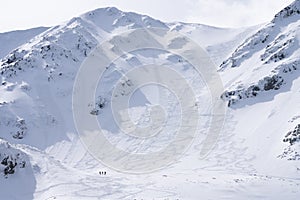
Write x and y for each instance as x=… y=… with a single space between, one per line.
x=23 y=14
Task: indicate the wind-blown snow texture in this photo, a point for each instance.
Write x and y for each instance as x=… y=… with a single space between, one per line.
x=256 y=155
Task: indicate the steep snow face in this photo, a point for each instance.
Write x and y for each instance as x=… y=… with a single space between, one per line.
x=261 y=79
x=13 y=39
x=36 y=98
x=35 y=74
x=39 y=75
x=218 y=42
x=278 y=30
x=49 y=62
x=288 y=12
x=267 y=61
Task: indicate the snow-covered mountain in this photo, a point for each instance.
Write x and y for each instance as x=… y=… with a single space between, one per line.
x=265 y=69
x=42 y=156
x=11 y=40
x=269 y=58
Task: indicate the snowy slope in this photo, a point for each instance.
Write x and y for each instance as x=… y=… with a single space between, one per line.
x=36 y=120
x=261 y=79
x=268 y=60
x=218 y=42
x=13 y=39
